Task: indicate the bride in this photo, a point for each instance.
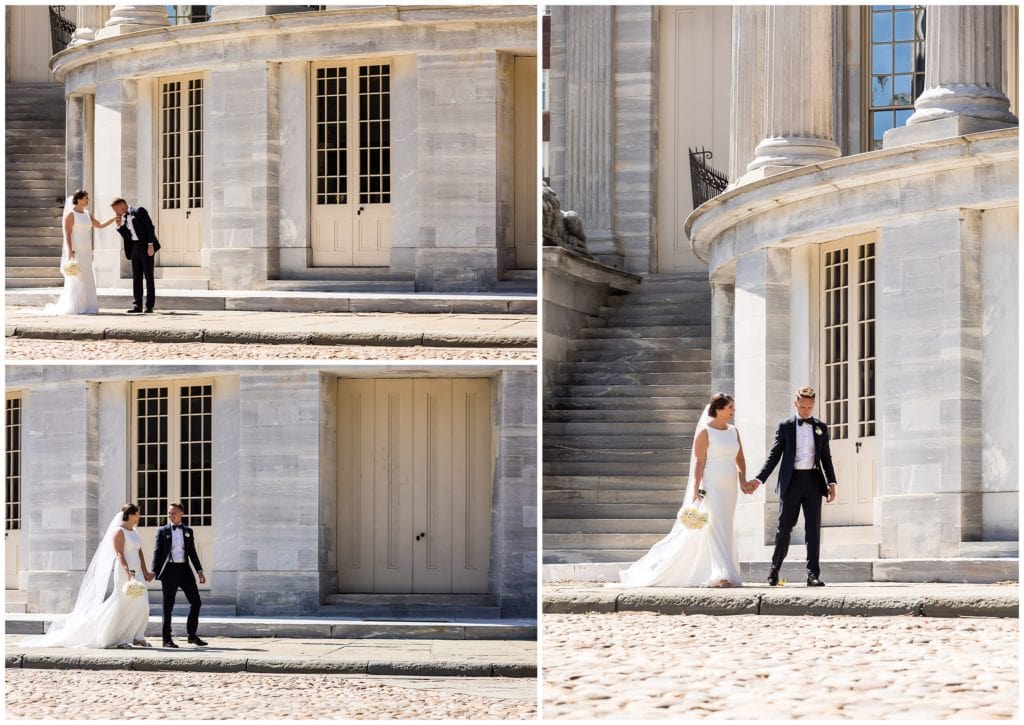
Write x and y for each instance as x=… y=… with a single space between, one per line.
x=102 y=621
x=706 y=556
x=78 y=297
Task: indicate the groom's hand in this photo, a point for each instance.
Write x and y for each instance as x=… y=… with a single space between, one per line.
x=752 y=484
x=831 y=493
x=149 y=249
x=202 y=578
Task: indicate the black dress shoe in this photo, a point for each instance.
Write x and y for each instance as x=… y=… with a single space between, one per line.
x=148 y=310
x=773 y=577
x=170 y=643
x=813 y=581
x=135 y=311
x=195 y=640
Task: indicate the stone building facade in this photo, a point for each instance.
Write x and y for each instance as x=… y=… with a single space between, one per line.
x=300 y=482
x=867 y=243
x=346 y=143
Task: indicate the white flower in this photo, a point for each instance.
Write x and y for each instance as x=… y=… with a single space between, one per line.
x=817 y=431
x=692 y=518
x=71 y=268
x=133 y=589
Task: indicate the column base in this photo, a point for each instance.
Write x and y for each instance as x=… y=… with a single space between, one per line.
x=940 y=128
x=782 y=153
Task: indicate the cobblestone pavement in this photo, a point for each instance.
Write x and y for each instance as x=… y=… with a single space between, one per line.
x=639 y=665
x=34 y=349
x=83 y=694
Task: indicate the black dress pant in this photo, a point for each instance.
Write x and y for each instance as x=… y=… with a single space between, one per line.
x=804 y=492
x=180 y=576
x=142 y=267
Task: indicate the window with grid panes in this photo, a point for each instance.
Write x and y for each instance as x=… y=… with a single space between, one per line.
x=13 y=462
x=895 y=62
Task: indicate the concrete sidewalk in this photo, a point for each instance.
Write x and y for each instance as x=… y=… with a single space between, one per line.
x=873 y=599
x=425 y=658
x=316 y=328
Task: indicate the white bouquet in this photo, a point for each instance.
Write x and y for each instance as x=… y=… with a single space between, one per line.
x=692 y=517
x=133 y=589
x=71 y=268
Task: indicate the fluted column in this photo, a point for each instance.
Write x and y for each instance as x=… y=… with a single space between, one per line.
x=963 y=76
x=798 y=128
x=88 y=19
x=237 y=12
x=589 y=133
x=748 y=84
x=133 y=19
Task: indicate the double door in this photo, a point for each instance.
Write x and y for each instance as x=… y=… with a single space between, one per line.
x=414 y=485
x=848 y=374
x=181 y=217
x=351 y=164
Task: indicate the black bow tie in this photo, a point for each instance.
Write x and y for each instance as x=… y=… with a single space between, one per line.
x=175 y=528
x=801 y=421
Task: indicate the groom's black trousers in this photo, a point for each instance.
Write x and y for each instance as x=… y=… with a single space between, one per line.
x=803 y=492
x=142 y=267
x=180 y=576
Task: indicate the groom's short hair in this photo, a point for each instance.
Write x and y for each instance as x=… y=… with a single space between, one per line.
x=176 y=506
x=117 y=200
x=805 y=392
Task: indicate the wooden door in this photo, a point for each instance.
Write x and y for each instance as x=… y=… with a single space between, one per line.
x=524 y=217
x=351 y=164
x=848 y=359
x=12 y=526
x=414 y=485
x=181 y=217
x=172 y=459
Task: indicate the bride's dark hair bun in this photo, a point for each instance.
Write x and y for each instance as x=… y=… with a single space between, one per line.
x=129 y=509
x=79 y=194
x=718 y=401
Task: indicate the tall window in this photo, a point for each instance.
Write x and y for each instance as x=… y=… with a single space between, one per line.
x=896 y=62
x=173 y=450
x=13 y=460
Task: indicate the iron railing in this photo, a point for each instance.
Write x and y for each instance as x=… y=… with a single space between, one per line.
x=61 y=29
x=705 y=182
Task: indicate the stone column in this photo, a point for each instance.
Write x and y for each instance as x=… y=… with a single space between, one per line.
x=243 y=167
x=278 y=492
x=723 y=342
x=513 y=571
x=761 y=367
x=133 y=19
x=61 y=516
x=929 y=319
x=116 y=172
x=589 y=126
x=963 y=76
x=748 y=85
x=74 y=151
x=798 y=129
x=237 y=12
x=88 y=19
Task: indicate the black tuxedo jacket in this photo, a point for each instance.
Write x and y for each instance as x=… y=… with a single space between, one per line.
x=784 y=449
x=162 y=555
x=144 y=230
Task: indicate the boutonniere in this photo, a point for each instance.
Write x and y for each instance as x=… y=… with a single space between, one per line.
x=188 y=535
x=818 y=431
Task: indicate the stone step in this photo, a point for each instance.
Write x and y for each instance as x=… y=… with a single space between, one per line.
x=33 y=282
x=44 y=271
x=625 y=345
x=410 y=600
x=591 y=556
x=35 y=232
x=601 y=542
x=626 y=442
x=576 y=392
x=32 y=248
x=620 y=402
x=591 y=377
x=20 y=176
x=652 y=413
x=595 y=483
x=660 y=511
x=598 y=367
x=595 y=468
x=645 y=332
x=990 y=549
x=641 y=355
x=607 y=526
x=635 y=318
x=624 y=496
x=632 y=455
x=48 y=262
x=554 y=429
x=30 y=125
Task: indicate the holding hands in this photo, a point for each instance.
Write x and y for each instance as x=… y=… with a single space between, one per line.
x=750 y=486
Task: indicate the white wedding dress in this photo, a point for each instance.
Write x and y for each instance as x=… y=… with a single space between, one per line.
x=705 y=556
x=78 y=297
x=116 y=620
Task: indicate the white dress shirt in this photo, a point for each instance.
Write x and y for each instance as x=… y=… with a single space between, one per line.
x=804 y=460
x=131 y=227
x=178 y=546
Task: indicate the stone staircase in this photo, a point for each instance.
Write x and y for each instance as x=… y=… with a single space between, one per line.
x=411 y=607
x=35 y=179
x=619 y=423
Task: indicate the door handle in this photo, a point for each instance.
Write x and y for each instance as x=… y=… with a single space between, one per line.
x=857 y=444
x=422 y=535
x=188 y=213
x=360 y=211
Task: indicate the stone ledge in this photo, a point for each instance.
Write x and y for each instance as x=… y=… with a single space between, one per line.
x=562 y=261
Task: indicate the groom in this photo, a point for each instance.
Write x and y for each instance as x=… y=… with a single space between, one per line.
x=801 y=443
x=140 y=246
x=175 y=548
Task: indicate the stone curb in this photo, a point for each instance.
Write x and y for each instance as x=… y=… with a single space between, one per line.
x=278 y=337
x=889 y=605
x=276 y=665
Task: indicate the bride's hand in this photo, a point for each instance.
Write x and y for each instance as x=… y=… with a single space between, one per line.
x=149 y=576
